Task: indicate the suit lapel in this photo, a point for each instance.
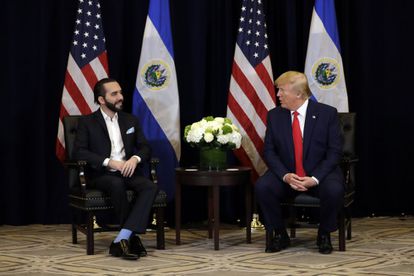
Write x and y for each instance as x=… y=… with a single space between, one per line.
x=311 y=119
x=122 y=128
x=99 y=118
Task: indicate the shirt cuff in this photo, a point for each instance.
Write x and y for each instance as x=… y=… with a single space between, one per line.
x=284 y=177
x=105 y=162
x=138 y=158
x=316 y=180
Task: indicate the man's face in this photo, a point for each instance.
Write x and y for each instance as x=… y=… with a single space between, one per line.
x=113 y=96
x=288 y=98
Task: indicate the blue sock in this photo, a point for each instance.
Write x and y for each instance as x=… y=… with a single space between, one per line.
x=124 y=234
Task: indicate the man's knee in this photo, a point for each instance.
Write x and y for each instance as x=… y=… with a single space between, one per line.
x=332 y=193
x=111 y=184
x=266 y=185
x=261 y=187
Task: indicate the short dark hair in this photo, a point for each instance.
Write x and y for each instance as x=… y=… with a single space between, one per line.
x=98 y=89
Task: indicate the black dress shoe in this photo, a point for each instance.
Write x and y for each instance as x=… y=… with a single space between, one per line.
x=278 y=243
x=324 y=243
x=121 y=249
x=136 y=246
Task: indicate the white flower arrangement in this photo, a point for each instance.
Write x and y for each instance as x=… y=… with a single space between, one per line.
x=213 y=132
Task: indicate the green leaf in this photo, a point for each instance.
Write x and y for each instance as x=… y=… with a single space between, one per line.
x=227 y=129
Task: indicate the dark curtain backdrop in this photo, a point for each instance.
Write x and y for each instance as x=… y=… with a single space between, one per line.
x=36 y=37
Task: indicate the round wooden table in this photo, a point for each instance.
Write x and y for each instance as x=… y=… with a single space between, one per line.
x=213 y=180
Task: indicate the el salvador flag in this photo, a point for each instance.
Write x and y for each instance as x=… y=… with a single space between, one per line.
x=155 y=100
x=323 y=65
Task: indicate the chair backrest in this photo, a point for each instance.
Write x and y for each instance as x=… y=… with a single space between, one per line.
x=347 y=121
x=70 y=126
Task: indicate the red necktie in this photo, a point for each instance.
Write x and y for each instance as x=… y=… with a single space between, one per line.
x=298 y=144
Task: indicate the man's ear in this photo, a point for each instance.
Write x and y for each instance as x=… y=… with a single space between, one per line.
x=101 y=100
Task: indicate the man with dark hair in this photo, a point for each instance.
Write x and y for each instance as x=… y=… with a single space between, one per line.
x=113 y=144
x=302 y=149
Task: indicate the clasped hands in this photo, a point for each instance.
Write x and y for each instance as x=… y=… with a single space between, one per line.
x=126 y=168
x=299 y=183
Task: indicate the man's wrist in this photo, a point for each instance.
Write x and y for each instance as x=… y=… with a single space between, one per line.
x=316 y=180
x=284 y=177
x=138 y=158
x=105 y=162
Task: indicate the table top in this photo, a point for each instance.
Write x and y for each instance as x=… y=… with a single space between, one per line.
x=197 y=170
x=196 y=177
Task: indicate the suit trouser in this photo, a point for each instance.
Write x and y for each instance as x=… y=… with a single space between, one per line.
x=132 y=216
x=270 y=191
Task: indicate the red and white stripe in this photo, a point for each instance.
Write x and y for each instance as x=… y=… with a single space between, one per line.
x=251 y=96
x=77 y=96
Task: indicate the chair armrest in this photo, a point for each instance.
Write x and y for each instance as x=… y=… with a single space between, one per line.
x=153 y=170
x=349 y=159
x=80 y=166
x=82 y=179
x=70 y=164
x=346 y=163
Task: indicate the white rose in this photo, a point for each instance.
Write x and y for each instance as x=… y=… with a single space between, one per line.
x=223 y=139
x=208 y=137
x=203 y=124
x=235 y=138
x=214 y=125
x=219 y=120
x=195 y=135
x=195 y=126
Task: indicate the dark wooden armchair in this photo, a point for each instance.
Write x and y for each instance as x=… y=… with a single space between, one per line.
x=302 y=201
x=88 y=202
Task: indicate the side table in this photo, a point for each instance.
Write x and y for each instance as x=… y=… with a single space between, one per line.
x=213 y=180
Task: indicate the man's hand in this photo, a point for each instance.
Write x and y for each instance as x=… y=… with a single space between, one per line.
x=116 y=164
x=129 y=167
x=299 y=183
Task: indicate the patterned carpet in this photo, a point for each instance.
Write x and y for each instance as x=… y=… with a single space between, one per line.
x=380 y=246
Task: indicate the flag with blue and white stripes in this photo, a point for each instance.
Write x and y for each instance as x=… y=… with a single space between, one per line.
x=155 y=100
x=323 y=65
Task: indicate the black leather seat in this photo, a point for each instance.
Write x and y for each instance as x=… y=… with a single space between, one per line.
x=88 y=202
x=347 y=121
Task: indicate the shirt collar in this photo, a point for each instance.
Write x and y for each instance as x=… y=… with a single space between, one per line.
x=302 y=109
x=107 y=118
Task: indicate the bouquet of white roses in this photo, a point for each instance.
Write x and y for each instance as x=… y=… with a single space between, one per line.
x=213 y=132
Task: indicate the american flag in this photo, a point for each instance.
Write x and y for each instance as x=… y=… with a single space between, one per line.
x=252 y=92
x=87 y=63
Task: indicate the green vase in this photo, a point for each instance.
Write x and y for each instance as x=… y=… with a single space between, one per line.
x=213 y=159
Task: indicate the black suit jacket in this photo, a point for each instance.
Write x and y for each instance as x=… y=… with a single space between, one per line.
x=322 y=142
x=93 y=144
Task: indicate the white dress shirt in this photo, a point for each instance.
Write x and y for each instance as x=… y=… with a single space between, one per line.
x=117 y=145
x=302 y=115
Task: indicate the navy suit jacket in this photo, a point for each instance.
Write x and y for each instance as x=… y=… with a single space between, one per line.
x=322 y=142
x=93 y=144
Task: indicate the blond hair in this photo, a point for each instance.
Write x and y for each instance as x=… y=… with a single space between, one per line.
x=297 y=80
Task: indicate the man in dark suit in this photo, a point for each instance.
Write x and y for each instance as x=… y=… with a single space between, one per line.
x=300 y=165
x=113 y=145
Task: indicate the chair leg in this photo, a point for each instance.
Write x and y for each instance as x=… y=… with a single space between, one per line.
x=349 y=229
x=341 y=231
x=292 y=221
x=74 y=234
x=348 y=224
x=269 y=238
x=74 y=227
x=89 y=235
x=160 y=228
